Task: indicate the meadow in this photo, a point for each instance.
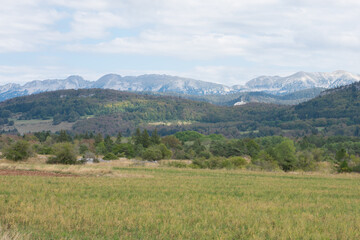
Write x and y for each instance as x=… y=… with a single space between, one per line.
x=114 y=201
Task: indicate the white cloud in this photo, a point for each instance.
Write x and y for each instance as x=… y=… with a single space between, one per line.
x=274 y=35
x=22 y=74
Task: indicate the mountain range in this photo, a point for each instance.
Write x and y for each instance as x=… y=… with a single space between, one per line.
x=274 y=85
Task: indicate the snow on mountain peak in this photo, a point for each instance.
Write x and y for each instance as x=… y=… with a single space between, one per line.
x=165 y=83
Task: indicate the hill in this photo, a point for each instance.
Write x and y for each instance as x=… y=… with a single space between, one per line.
x=335 y=112
x=342 y=102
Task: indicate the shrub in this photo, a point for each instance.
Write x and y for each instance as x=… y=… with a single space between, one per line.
x=177 y=164
x=42 y=149
x=110 y=156
x=101 y=148
x=124 y=149
x=152 y=154
x=165 y=152
x=344 y=167
x=264 y=161
x=83 y=148
x=64 y=154
x=219 y=162
x=260 y=164
x=237 y=162
x=88 y=156
x=18 y=151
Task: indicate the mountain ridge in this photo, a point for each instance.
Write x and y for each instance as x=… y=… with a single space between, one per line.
x=275 y=85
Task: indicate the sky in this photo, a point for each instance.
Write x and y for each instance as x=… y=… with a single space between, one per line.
x=227 y=41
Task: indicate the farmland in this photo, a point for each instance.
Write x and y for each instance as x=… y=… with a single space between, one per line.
x=120 y=200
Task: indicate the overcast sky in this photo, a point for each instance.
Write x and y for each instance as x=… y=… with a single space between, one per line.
x=227 y=41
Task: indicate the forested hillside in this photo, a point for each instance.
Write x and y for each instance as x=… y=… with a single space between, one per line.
x=335 y=112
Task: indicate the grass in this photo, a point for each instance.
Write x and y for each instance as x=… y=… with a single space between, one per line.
x=38 y=125
x=168 y=203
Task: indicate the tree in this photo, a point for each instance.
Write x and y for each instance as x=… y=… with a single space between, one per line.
x=145 y=139
x=285 y=155
x=171 y=142
x=110 y=156
x=64 y=154
x=152 y=153
x=155 y=139
x=108 y=143
x=137 y=137
x=118 y=138
x=341 y=155
x=64 y=137
x=344 y=167
x=197 y=146
x=98 y=139
x=252 y=148
x=165 y=152
x=18 y=151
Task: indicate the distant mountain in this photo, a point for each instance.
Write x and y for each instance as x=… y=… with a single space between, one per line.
x=300 y=81
x=15 y=90
x=160 y=83
x=274 y=85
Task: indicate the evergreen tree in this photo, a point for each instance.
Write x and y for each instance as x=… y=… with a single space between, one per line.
x=145 y=139
x=108 y=143
x=137 y=137
x=155 y=139
x=64 y=137
x=118 y=138
x=98 y=139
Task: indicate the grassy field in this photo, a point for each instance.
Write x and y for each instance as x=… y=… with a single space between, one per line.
x=36 y=125
x=117 y=202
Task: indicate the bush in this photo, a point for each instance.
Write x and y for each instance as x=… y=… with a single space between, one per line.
x=260 y=164
x=237 y=162
x=152 y=154
x=42 y=149
x=306 y=162
x=264 y=161
x=64 y=154
x=156 y=152
x=177 y=164
x=110 y=156
x=88 y=156
x=219 y=162
x=344 y=167
x=165 y=152
x=124 y=149
x=83 y=148
x=18 y=151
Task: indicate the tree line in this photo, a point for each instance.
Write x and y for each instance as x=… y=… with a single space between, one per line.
x=271 y=153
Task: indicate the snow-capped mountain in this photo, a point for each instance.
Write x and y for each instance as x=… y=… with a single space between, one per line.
x=300 y=81
x=15 y=90
x=160 y=83
x=172 y=84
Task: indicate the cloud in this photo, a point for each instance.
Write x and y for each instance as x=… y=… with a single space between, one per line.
x=272 y=35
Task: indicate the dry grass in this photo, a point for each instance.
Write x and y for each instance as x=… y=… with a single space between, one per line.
x=99 y=169
x=26 y=126
x=118 y=201
x=186 y=204
x=10 y=234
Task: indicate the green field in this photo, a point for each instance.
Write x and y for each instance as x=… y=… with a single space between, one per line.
x=166 y=203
